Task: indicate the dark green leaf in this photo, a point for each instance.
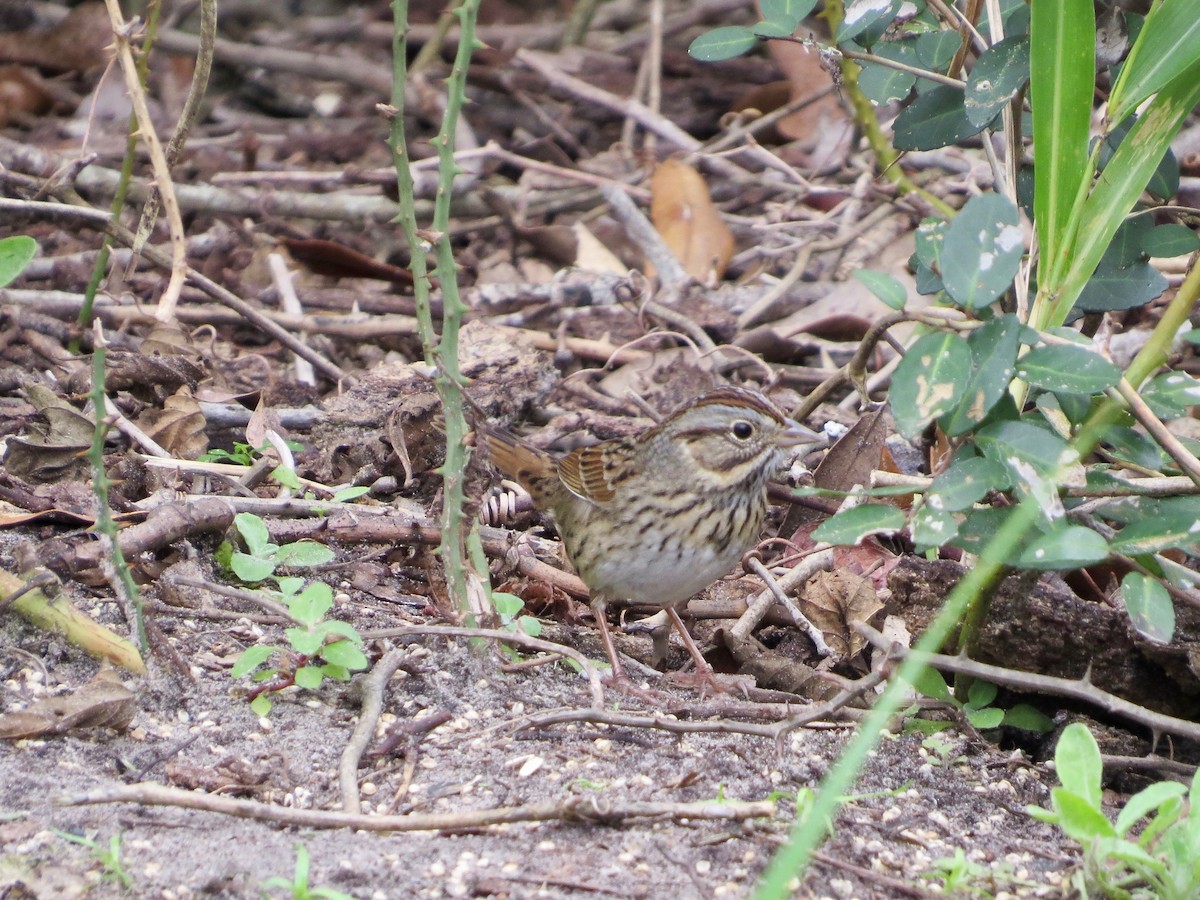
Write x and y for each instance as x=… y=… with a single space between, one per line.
x=932 y=528
x=998 y=75
x=15 y=254
x=723 y=43
x=930 y=238
x=966 y=482
x=931 y=684
x=1170 y=240
x=935 y=49
x=773 y=30
x=1180 y=529
x=1133 y=446
x=929 y=381
x=1112 y=289
x=1172 y=395
x=1022 y=446
x=885 y=287
x=994 y=355
x=979 y=527
x=852 y=525
x=935 y=119
x=786 y=12
x=1065 y=547
x=863 y=14
x=1149 y=606
x=928 y=281
x=1068 y=368
x=982 y=251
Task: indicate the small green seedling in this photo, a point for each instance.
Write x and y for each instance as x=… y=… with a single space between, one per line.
x=1152 y=850
x=298 y=885
x=109 y=857
x=978 y=709
x=318 y=648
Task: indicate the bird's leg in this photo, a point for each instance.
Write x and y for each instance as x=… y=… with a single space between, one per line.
x=704 y=676
x=618 y=680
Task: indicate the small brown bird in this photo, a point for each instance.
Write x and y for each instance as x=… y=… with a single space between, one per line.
x=658 y=516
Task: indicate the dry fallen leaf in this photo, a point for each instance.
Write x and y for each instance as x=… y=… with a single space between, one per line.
x=101 y=703
x=835 y=602
x=683 y=212
x=179 y=427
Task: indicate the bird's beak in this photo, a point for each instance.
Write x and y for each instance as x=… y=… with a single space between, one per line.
x=795 y=433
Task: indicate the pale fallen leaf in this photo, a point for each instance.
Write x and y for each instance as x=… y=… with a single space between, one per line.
x=684 y=214
x=835 y=602
x=104 y=702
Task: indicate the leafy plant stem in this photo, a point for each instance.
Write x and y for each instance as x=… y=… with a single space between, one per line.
x=442 y=354
x=886 y=158
x=792 y=860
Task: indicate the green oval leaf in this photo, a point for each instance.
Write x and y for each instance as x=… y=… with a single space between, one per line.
x=1172 y=239
x=1065 y=547
x=260 y=705
x=250 y=569
x=1067 y=368
x=1149 y=606
x=723 y=43
x=937 y=118
x=885 y=287
x=346 y=654
x=1027 y=718
x=994 y=357
x=985 y=719
x=982 y=251
x=863 y=14
x=786 y=12
x=965 y=483
x=15 y=254
x=1077 y=761
x=997 y=77
x=932 y=528
x=250 y=659
x=253 y=531
x=929 y=381
x=883 y=84
x=1120 y=287
x=852 y=525
x=1179 y=529
x=311 y=604
x=309 y=677
x=303 y=553
x=1171 y=396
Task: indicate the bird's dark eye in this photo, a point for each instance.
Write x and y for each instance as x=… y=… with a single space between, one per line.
x=742 y=430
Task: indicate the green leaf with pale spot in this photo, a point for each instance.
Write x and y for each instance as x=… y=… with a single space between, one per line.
x=965 y=483
x=1069 y=369
x=982 y=251
x=1065 y=547
x=994 y=357
x=1176 y=530
x=934 y=119
x=997 y=76
x=1172 y=395
x=929 y=381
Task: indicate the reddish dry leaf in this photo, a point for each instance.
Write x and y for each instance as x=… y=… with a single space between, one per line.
x=684 y=214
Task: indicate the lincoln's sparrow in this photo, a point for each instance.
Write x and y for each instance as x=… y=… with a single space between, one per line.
x=660 y=515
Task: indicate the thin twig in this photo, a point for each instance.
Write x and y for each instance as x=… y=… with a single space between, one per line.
x=372 y=705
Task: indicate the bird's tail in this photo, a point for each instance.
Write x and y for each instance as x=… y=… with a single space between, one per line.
x=525 y=465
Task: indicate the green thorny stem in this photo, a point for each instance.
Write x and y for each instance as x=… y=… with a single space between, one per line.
x=441 y=354
x=100 y=485
x=792 y=860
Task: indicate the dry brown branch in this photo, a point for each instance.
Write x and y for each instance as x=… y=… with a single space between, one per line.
x=590 y=809
x=372 y=705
